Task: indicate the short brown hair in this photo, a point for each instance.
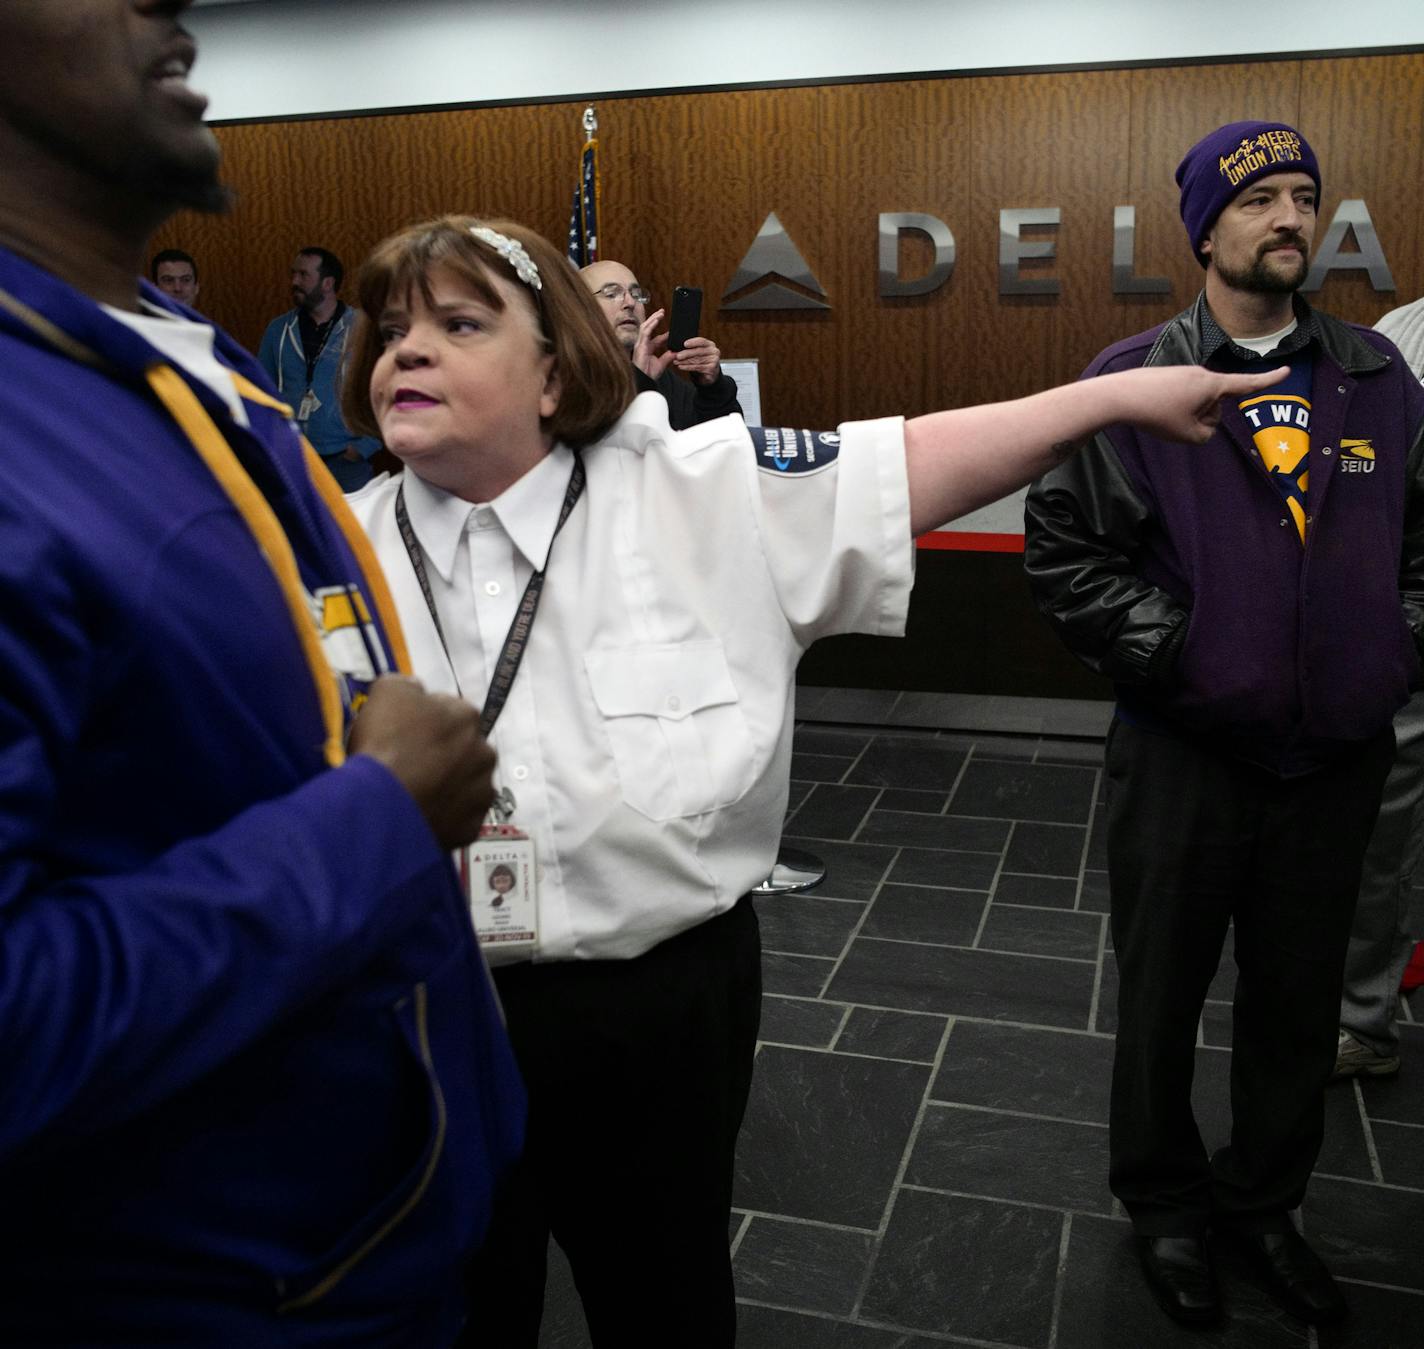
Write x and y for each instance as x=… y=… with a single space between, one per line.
x=595 y=375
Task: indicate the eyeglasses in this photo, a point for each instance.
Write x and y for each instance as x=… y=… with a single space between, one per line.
x=613 y=292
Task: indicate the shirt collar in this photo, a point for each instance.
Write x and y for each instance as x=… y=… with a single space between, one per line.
x=527 y=511
x=1214 y=337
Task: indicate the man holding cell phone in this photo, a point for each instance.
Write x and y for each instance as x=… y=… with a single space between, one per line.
x=659 y=358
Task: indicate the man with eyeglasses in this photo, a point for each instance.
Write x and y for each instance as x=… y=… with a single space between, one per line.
x=709 y=394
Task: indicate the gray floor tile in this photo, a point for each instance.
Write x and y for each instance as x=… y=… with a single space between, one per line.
x=1050 y=793
x=1044 y=892
x=1094 y=895
x=773 y=1328
x=1042 y=1072
x=806 y=925
x=903 y=830
x=1345 y=1151
x=1000 y=1156
x=1046 y=932
x=967 y=1267
x=912 y=763
x=891 y=1035
x=798 y=792
x=916 y=803
x=798 y=1021
x=853 y=870
x=1380 y=1318
x=824 y=1135
x=819 y=767
x=795 y=976
x=1216 y=1022
x=924 y=914
x=1106 y=1304
x=564 y=1325
x=1008 y=1131
x=1400 y=1098
x=1097 y=856
x=956 y=870
x=1401 y=1153
x=1106 y=1020
x=1367 y=1232
x=833 y=811
x=964 y=983
x=802 y=1265
x=1045 y=849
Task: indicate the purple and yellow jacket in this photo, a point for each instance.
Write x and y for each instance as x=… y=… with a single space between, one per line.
x=254 y=1088
x=1172 y=570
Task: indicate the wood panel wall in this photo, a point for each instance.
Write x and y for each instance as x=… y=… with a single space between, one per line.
x=688 y=180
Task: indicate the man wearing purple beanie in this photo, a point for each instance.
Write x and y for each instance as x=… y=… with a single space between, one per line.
x=1259 y=604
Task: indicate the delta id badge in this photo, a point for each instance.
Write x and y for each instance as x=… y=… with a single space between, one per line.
x=502 y=889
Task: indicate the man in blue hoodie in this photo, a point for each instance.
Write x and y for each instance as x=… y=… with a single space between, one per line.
x=254 y=1089
x=304 y=354
x=1259 y=604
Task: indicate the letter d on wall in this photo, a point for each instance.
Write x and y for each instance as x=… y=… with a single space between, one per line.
x=895 y=223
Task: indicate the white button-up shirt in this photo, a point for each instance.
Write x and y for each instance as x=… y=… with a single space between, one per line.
x=647 y=736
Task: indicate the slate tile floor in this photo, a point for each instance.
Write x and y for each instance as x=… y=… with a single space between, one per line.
x=924 y=1159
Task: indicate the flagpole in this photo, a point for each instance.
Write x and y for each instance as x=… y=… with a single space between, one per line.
x=591 y=202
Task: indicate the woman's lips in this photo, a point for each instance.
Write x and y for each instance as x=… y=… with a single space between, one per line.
x=408 y=399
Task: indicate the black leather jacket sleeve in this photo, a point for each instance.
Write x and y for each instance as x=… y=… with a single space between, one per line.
x=1082 y=521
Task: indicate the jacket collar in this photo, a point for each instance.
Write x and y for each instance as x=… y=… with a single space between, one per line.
x=1180 y=341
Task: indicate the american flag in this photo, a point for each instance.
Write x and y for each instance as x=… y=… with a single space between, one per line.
x=583 y=217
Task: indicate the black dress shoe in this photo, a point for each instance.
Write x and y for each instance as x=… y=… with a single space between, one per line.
x=1180 y=1275
x=1294 y=1275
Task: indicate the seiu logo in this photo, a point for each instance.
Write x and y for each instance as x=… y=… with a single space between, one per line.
x=1357 y=456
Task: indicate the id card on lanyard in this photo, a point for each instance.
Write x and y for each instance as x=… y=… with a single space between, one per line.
x=499 y=870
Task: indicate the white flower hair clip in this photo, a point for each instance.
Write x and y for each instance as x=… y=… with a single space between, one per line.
x=512 y=251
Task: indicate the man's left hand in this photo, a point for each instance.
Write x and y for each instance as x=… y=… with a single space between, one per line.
x=699 y=360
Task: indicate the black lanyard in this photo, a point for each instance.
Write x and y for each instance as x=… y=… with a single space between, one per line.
x=515 y=640
x=320 y=334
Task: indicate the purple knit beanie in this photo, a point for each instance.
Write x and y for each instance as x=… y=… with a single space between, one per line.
x=1222 y=164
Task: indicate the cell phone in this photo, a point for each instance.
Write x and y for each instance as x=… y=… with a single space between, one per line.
x=686 y=315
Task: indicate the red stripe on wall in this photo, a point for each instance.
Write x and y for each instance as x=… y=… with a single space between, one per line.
x=954 y=541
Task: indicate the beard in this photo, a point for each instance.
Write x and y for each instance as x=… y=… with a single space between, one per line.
x=1264 y=277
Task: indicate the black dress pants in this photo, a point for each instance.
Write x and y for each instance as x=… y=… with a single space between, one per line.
x=1197 y=839
x=638 y=1074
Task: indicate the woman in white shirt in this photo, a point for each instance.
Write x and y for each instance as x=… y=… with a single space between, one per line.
x=654 y=591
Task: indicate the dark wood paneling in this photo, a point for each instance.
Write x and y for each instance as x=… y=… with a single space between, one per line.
x=689 y=178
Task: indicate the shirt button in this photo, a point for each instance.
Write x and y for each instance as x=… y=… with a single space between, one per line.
x=1339 y=388
x=520 y=772
x=1283 y=524
x=674 y=703
x=1326 y=450
x=491 y=587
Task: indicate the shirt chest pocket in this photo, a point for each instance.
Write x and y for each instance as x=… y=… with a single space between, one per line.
x=676 y=726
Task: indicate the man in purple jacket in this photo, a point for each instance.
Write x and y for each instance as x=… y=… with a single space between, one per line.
x=254 y=1088
x=1259 y=605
